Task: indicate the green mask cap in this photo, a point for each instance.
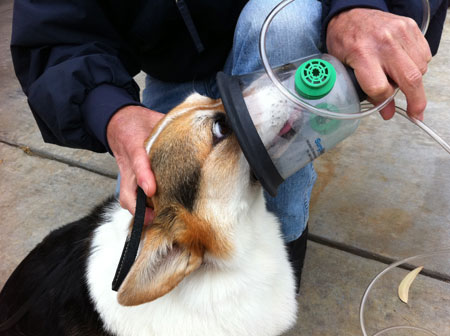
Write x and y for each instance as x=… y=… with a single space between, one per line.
x=315 y=78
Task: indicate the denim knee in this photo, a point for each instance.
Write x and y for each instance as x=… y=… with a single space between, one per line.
x=293 y=33
x=291 y=205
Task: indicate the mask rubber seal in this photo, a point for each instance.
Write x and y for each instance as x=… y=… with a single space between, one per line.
x=246 y=133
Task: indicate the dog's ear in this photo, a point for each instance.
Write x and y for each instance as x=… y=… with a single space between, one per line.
x=167 y=256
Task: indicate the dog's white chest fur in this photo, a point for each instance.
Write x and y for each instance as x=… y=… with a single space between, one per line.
x=252 y=293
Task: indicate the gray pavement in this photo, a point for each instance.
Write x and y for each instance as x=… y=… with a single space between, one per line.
x=381 y=195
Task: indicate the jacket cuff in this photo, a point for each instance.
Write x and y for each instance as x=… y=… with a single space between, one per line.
x=100 y=105
x=338 y=6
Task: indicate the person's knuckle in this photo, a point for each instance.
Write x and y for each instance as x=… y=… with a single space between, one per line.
x=360 y=54
x=385 y=36
x=408 y=23
x=423 y=68
x=403 y=26
x=428 y=55
x=417 y=108
x=413 y=78
x=357 y=51
x=399 y=25
x=377 y=90
x=421 y=105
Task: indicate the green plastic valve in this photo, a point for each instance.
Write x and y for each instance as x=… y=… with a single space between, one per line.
x=315 y=78
x=324 y=125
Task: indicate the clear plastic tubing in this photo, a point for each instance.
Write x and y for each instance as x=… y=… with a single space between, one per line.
x=425 y=128
x=372 y=284
x=334 y=115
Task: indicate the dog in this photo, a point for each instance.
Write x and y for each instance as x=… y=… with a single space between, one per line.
x=212 y=262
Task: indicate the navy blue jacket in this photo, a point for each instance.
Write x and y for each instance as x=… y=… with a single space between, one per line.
x=75 y=59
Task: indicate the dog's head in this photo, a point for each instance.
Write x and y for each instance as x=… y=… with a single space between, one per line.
x=204 y=184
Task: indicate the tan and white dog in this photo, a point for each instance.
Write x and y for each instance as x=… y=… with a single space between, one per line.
x=213 y=261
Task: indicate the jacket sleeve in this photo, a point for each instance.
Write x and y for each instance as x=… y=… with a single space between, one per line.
x=438 y=13
x=438 y=10
x=74 y=69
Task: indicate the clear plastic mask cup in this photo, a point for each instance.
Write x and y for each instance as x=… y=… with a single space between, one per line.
x=277 y=136
x=294 y=136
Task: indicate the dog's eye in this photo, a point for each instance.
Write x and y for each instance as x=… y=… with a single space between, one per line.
x=220 y=129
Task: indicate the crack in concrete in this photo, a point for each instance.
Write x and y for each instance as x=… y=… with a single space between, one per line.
x=375 y=256
x=50 y=156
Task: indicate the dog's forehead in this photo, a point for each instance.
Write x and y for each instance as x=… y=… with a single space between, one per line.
x=182 y=118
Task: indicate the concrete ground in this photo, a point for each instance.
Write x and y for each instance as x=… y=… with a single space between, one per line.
x=381 y=195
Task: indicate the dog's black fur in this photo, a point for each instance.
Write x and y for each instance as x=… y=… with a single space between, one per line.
x=52 y=280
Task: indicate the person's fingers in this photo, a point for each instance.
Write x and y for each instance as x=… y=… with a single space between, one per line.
x=413 y=43
x=126 y=134
x=141 y=167
x=127 y=197
x=408 y=77
x=377 y=86
x=389 y=111
x=373 y=81
x=424 y=48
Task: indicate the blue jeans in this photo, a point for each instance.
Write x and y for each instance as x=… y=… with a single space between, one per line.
x=294 y=33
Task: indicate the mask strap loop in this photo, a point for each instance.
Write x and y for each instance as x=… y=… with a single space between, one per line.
x=131 y=246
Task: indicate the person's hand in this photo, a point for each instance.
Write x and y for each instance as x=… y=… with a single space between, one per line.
x=126 y=133
x=386 y=51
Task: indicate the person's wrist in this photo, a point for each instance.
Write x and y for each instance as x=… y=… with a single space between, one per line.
x=125 y=112
x=130 y=121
